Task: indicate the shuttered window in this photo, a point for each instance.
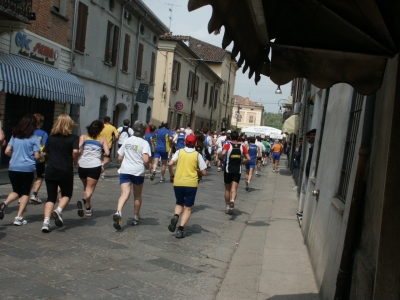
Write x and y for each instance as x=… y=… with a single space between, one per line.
x=210 y=103
x=205 y=94
x=176 y=71
x=196 y=88
x=215 y=99
x=153 y=67
x=139 y=61
x=111 y=49
x=81 y=27
x=190 y=84
x=125 y=61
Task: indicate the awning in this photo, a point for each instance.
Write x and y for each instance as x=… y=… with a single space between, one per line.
x=26 y=78
x=291 y=125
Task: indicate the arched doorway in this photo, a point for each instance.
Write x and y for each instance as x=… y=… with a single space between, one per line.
x=121 y=113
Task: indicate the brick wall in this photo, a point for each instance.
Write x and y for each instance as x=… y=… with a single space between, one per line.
x=50 y=25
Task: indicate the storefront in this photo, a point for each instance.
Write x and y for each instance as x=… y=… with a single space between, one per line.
x=31 y=83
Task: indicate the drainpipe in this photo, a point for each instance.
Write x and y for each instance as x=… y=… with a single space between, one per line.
x=193 y=85
x=117 y=60
x=213 y=105
x=354 y=228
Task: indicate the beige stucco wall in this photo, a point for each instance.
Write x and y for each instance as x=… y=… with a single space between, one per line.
x=245 y=112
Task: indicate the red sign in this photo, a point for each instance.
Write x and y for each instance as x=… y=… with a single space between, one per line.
x=178 y=105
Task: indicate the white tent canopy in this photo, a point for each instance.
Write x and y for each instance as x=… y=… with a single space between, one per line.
x=263 y=131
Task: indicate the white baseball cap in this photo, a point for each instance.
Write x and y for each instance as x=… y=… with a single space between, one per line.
x=182 y=129
x=229 y=131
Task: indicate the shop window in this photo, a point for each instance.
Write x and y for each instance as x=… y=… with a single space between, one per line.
x=125 y=61
x=135 y=113
x=176 y=75
x=215 y=99
x=111 y=49
x=103 y=107
x=153 y=67
x=81 y=27
x=350 y=145
x=148 y=115
x=205 y=93
x=139 y=61
x=210 y=103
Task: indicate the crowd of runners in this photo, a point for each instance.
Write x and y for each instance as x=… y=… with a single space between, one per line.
x=141 y=149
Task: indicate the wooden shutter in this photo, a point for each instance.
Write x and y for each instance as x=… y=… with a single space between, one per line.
x=174 y=74
x=216 y=98
x=81 y=27
x=178 y=76
x=126 y=53
x=153 y=67
x=108 y=50
x=196 y=88
x=115 y=45
x=139 y=61
x=190 y=82
x=205 y=94
x=210 y=103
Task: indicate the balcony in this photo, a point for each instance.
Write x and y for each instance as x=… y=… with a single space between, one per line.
x=16 y=10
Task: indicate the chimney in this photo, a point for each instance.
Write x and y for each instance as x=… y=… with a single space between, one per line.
x=246 y=102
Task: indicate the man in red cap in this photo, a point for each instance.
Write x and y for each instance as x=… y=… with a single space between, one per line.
x=190 y=165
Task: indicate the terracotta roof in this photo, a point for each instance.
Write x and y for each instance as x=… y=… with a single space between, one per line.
x=203 y=50
x=243 y=101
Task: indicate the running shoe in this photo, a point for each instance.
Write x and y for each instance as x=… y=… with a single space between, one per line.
x=162 y=179
x=81 y=205
x=57 y=218
x=219 y=169
x=89 y=212
x=3 y=207
x=172 y=226
x=227 y=209
x=46 y=228
x=231 y=205
x=180 y=234
x=18 y=221
x=36 y=199
x=256 y=173
x=135 y=221
x=103 y=175
x=117 y=221
x=152 y=175
x=247 y=186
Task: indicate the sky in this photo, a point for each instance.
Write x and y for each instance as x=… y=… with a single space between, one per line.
x=195 y=24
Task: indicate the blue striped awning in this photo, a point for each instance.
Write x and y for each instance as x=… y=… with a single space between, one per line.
x=27 y=78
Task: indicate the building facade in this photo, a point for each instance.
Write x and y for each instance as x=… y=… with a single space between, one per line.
x=114 y=55
x=246 y=113
x=186 y=88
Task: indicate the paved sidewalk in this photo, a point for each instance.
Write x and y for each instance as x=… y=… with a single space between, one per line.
x=271 y=261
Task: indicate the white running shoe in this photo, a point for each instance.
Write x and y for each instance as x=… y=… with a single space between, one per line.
x=18 y=221
x=162 y=179
x=227 y=209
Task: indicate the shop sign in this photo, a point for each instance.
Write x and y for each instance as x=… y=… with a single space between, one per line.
x=36 y=49
x=143 y=93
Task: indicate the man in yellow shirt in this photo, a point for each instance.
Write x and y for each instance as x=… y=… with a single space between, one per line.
x=190 y=164
x=110 y=133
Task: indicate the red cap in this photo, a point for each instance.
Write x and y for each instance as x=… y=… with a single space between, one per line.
x=190 y=140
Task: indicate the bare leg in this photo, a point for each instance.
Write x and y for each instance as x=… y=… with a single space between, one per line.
x=12 y=197
x=155 y=163
x=125 y=193
x=249 y=175
x=89 y=185
x=178 y=209
x=228 y=193
x=234 y=190
x=163 y=167
x=187 y=211
x=137 y=195
x=37 y=185
x=22 y=205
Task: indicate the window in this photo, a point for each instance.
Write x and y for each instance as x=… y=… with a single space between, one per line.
x=139 y=61
x=178 y=120
x=135 y=113
x=205 y=93
x=125 y=60
x=81 y=26
x=176 y=74
x=321 y=131
x=74 y=114
x=349 y=149
x=153 y=67
x=148 y=115
x=228 y=92
x=210 y=103
x=111 y=50
x=216 y=99
x=190 y=84
x=103 y=107
x=196 y=88
x=251 y=119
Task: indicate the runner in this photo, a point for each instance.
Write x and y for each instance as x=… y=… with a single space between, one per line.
x=202 y=149
x=91 y=145
x=253 y=153
x=134 y=157
x=276 y=150
x=259 y=154
x=233 y=169
x=23 y=148
x=110 y=133
x=180 y=139
x=188 y=130
x=190 y=165
x=124 y=132
x=220 y=142
x=266 y=153
x=163 y=145
x=62 y=152
x=40 y=165
x=151 y=137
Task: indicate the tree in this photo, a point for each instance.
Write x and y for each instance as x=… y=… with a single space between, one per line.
x=273 y=120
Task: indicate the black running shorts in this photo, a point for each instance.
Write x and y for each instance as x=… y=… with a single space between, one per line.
x=229 y=177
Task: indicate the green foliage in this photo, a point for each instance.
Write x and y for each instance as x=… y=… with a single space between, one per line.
x=234 y=128
x=273 y=120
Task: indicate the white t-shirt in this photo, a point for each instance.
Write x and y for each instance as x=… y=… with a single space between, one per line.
x=123 y=136
x=132 y=150
x=221 y=140
x=261 y=147
x=188 y=131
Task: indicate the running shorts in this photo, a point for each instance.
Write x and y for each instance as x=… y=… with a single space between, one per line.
x=229 y=177
x=185 y=195
x=93 y=173
x=276 y=155
x=21 y=182
x=128 y=178
x=250 y=165
x=162 y=155
x=40 y=168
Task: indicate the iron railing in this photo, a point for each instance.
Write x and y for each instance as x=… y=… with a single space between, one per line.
x=18 y=9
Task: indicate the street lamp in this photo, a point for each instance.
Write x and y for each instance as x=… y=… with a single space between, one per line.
x=278 y=90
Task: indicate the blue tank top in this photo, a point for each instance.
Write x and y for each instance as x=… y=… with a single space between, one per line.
x=180 y=142
x=253 y=151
